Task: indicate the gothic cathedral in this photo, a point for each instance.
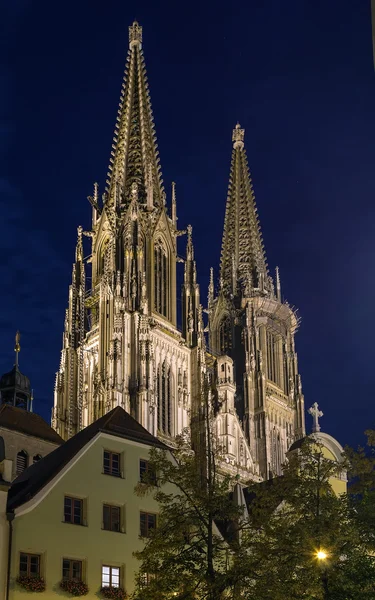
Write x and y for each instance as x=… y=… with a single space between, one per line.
x=121 y=343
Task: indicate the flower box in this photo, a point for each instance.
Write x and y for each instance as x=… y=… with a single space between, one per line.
x=75 y=588
x=114 y=593
x=32 y=584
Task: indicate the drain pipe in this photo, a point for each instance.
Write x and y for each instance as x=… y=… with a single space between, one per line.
x=10 y=517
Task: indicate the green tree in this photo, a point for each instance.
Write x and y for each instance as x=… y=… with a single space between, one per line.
x=187 y=556
x=207 y=548
x=305 y=517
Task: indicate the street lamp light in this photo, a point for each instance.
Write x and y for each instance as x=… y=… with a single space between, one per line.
x=321 y=555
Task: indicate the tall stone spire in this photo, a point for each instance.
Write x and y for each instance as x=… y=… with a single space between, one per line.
x=243 y=259
x=134 y=156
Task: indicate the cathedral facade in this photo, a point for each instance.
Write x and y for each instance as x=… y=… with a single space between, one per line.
x=121 y=343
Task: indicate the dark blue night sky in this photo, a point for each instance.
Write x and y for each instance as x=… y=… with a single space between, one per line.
x=299 y=77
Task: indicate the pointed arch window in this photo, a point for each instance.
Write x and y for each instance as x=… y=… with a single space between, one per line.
x=277 y=456
x=273 y=358
x=165 y=400
x=21 y=462
x=161 y=279
x=36 y=458
x=101 y=257
x=225 y=335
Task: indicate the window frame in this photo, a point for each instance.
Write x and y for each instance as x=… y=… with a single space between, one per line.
x=110 y=470
x=146 y=579
x=110 y=583
x=120 y=514
x=71 y=561
x=29 y=556
x=74 y=499
x=148 y=529
x=161 y=278
x=152 y=477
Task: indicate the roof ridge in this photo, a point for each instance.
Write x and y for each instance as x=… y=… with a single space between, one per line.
x=38 y=475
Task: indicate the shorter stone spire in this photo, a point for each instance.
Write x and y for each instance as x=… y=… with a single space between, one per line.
x=242 y=252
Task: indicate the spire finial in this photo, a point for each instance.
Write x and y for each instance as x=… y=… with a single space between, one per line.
x=211 y=289
x=17 y=346
x=278 y=285
x=174 y=205
x=79 y=248
x=238 y=137
x=189 y=246
x=135 y=35
x=96 y=193
x=316 y=414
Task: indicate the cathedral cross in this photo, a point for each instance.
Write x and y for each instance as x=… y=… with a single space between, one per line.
x=316 y=414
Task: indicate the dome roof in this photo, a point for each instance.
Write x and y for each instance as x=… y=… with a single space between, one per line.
x=15 y=380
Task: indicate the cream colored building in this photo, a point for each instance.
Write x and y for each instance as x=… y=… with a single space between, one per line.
x=121 y=343
x=76 y=514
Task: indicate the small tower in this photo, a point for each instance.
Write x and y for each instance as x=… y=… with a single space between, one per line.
x=15 y=388
x=226 y=390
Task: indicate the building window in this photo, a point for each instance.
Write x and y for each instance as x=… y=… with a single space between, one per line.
x=147 y=522
x=111 y=463
x=36 y=458
x=111 y=517
x=30 y=565
x=164 y=400
x=110 y=576
x=273 y=358
x=160 y=279
x=21 y=462
x=102 y=255
x=72 y=569
x=146 y=472
x=225 y=336
x=146 y=578
x=73 y=510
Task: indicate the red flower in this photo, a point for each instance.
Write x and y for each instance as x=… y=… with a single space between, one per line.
x=113 y=593
x=32 y=584
x=75 y=588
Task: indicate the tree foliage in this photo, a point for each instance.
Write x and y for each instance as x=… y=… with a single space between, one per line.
x=186 y=556
x=208 y=548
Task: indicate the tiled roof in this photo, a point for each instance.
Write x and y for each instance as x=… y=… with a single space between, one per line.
x=117 y=423
x=19 y=419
